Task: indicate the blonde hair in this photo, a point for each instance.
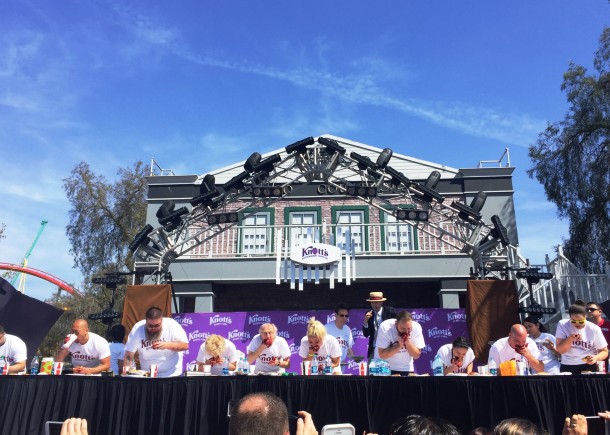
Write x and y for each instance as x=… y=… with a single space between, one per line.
x=316 y=329
x=215 y=345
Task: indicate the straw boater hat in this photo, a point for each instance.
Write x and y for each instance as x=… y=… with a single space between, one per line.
x=376 y=297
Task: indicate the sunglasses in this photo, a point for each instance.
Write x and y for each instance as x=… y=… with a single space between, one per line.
x=342 y=315
x=577 y=322
x=592 y=309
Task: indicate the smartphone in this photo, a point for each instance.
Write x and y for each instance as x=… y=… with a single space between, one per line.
x=597 y=425
x=230 y=406
x=53 y=427
x=338 y=429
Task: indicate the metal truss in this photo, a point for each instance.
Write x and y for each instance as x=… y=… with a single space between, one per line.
x=323 y=160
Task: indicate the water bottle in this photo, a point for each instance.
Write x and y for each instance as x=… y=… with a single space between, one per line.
x=245 y=366
x=493 y=368
x=437 y=366
x=35 y=365
x=314 y=364
x=373 y=367
x=225 y=367
x=328 y=366
x=386 y=369
x=2 y=365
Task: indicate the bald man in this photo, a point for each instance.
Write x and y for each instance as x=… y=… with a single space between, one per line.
x=517 y=346
x=266 y=414
x=90 y=352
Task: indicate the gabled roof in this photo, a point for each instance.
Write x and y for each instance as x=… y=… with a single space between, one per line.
x=413 y=168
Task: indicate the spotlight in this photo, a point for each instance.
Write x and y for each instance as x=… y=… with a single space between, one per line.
x=536 y=308
x=478 y=201
x=533 y=276
x=433 y=179
x=267 y=191
x=425 y=193
x=267 y=164
x=398 y=178
x=471 y=212
x=253 y=160
x=363 y=161
x=223 y=218
x=236 y=183
x=384 y=158
x=405 y=214
x=141 y=238
x=363 y=191
x=331 y=145
x=208 y=184
x=499 y=232
x=169 y=218
x=207 y=199
x=300 y=146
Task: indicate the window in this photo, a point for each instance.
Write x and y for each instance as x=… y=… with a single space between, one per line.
x=256 y=233
x=304 y=225
x=398 y=235
x=351 y=220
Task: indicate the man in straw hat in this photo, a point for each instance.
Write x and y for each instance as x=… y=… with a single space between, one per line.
x=374 y=317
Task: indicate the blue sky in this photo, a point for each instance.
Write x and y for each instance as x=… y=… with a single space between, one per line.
x=198 y=85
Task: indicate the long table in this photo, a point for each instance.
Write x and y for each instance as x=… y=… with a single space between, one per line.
x=198 y=405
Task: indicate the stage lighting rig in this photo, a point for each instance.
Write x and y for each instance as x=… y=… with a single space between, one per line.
x=236 y=183
x=405 y=214
x=223 y=218
x=425 y=194
x=364 y=162
x=536 y=308
x=384 y=158
x=301 y=146
x=332 y=146
x=169 y=218
x=253 y=160
x=499 y=232
x=471 y=213
x=267 y=191
x=141 y=238
x=107 y=316
x=111 y=280
x=267 y=164
x=206 y=199
x=398 y=178
x=362 y=191
x=533 y=275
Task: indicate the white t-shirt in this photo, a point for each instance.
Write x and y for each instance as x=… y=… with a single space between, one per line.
x=329 y=347
x=551 y=363
x=13 y=349
x=91 y=353
x=169 y=361
x=501 y=352
x=266 y=361
x=344 y=337
x=388 y=335
x=444 y=352
x=592 y=339
x=117 y=352
x=229 y=354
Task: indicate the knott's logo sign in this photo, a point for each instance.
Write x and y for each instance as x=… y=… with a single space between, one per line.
x=315 y=254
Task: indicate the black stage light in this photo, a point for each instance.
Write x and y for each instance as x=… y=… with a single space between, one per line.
x=267 y=191
x=208 y=184
x=110 y=280
x=236 y=183
x=537 y=309
x=533 y=275
x=363 y=191
x=398 y=178
x=300 y=146
x=478 y=201
x=432 y=179
x=425 y=193
x=363 y=161
x=268 y=163
x=405 y=214
x=499 y=232
x=172 y=220
x=106 y=316
x=206 y=199
x=331 y=145
x=384 y=158
x=471 y=212
x=223 y=218
x=253 y=160
x=141 y=238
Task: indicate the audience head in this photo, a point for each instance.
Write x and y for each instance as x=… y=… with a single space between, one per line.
x=259 y=414
x=117 y=334
x=533 y=326
x=420 y=425
x=517 y=426
x=594 y=312
x=480 y=431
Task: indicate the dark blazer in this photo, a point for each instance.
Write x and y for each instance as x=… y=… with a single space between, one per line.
x=370 y=330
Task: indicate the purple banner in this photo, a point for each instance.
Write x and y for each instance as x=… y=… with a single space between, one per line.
x=440 y=326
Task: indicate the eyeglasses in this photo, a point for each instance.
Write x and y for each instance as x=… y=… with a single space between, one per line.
x=149 y=326
x=577 y=322
x=342 y=315
x=592 y=309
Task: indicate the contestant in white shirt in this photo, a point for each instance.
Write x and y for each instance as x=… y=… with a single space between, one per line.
x=319 y=345
x=267 y=351
x=14 y=350
x=546 y=343
x=341 y=331
x=400 y=342
x=517 y=346
x=215 y=351
x=90 y=352
x=457 y=357
x=158 y=340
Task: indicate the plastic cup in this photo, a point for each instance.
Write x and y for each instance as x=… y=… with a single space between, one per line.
x=154 y=369
x=58 y=367
x=207 y=369
x=305 y=368
x=252 y=367
x=70 y=338
x=601 y=366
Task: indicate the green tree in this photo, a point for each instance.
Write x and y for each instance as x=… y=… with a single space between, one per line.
x=105 y=217
x=572 y=162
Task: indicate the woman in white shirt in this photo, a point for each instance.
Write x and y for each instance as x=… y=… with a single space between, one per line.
x=546 y=343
